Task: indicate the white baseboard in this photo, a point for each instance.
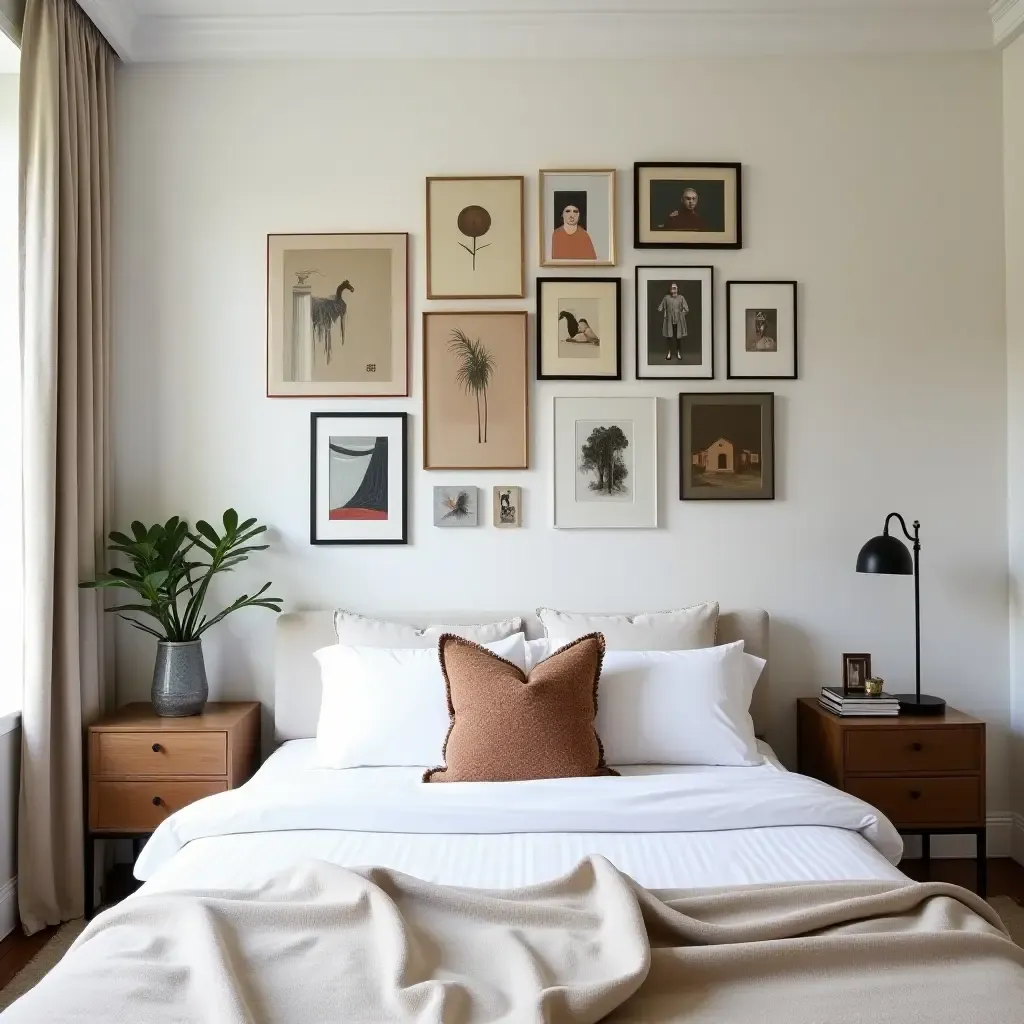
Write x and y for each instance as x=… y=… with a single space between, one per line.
x=1005 y=835
x=8 y=908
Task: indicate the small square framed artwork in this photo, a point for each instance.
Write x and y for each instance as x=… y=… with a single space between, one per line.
x=508 y=507
x=727 y=447
x=687 y=206
x=578 y=335
x=675 y=323
x=456 y=506
x=856 y=673
x=475 y=238
x=577 y=218
x=359 y=478
x=761 y=319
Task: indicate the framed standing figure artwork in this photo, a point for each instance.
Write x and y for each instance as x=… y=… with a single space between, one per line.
x=687 y=206
x=675 y=323
x=578 y=336
x=577 y=218
x=606 y=463
x=727 y=447
x=337 y=316
x=475 y=390
x=762 y=329
x=358 y=478
x=475 y=238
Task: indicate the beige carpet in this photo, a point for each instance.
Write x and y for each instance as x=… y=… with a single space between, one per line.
x=1011 y=912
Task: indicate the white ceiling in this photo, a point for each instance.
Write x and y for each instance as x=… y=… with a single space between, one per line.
x=177 y=30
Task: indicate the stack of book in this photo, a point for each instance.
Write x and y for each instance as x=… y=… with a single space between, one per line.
x=833 y=700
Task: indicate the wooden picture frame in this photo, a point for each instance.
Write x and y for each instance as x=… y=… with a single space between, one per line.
x=658 y=330
x=856 y=672
x=585 y=238
x=508 y=508
x=762 y=330
x=574 y=318
x=664 y=218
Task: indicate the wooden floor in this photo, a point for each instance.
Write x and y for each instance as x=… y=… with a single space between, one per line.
x=17 y=949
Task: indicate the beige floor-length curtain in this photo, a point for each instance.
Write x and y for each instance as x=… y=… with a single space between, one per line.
x=67 y=71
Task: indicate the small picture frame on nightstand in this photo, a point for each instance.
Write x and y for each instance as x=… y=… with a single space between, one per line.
x=856 y=673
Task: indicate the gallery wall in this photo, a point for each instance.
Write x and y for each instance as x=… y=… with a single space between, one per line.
x=876 y=183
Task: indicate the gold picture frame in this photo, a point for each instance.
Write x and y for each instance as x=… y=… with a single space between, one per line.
x=566 y=240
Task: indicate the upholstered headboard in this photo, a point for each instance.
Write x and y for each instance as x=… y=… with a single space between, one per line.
x=299 y=634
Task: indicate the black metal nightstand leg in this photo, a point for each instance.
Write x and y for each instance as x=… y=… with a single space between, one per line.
x=90 y=877
x=982 y=863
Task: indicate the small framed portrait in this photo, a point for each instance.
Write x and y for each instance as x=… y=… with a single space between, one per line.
x=475 y=390
x=337 y=316
x=675 y=323
x=359 y=478
x=578 y=336
x=606 y=463
x=762 y=329
x=475 y=238
x=856 y=673
x=577 y=218
x=727 y=447
x=456 y=506
x=687 y=206
x=508 y=507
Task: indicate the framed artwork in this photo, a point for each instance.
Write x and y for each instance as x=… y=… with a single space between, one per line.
x=508 y=507
x=577 y=218
x=675 y=323
x=456 y=506
x=687 y=206
x=359 y=478
x=337 y=316
x=856 y=673
x=475 y=238
x=578 y=335
x=726 y=447
x=762 y=329
x=475 y=391
x=606 y=463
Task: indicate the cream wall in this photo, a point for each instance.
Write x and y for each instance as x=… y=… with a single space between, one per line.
x=877 y=183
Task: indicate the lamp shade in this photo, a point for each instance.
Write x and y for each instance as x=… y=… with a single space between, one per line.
x=887 y=555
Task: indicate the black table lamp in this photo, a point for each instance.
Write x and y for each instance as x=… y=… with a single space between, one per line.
x=889 y=556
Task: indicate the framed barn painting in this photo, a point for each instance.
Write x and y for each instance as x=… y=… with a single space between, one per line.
x=606 y=463
x=727 y=447
x=675 y=323
x=577 y=218
x=359 y=478
x=475 y=391
x=687 y=206
x=337 y=316
x=762 y=329
x=578 y=336
x=475 y=238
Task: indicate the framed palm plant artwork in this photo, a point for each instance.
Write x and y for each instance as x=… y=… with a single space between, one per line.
x=475 y=391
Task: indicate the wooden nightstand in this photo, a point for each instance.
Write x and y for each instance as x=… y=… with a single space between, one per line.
x=926 y=774
x=142 y=768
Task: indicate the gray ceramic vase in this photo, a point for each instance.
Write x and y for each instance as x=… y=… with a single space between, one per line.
x=179 y=679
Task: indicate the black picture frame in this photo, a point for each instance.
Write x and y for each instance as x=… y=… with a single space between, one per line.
x=639 y=299
x=638 y=186
x=864 y=661
x=315 y=418
x=689 y=489
x=794 y=286
x=544 y=281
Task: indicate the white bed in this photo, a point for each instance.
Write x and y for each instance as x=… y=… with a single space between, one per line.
x=667 y=827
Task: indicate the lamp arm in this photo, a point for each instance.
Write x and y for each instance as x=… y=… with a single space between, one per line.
x=915 y=537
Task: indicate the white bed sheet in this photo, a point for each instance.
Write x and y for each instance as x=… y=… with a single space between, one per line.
x=657 y=860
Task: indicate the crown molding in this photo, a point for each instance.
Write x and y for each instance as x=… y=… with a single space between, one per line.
x=149 y=30
x=1007 y=20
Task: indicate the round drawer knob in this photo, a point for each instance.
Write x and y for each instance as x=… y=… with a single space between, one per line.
x=915 y=794
x=916 y=747
x=157 y=801
x=157 y=748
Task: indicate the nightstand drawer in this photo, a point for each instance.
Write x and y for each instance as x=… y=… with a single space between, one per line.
x=130 y=807
x=908 y=801
x=914 y=750
x=154 y=753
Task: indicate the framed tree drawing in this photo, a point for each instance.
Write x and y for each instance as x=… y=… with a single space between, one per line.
x=475 y=390
x=687 y=206
x=675 y=323
x=358 y=478
x=337 y=316
x=606 y=463
x=475 y=238
x=577 y=218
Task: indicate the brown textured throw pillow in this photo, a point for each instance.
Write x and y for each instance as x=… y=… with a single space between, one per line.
x=508 y=727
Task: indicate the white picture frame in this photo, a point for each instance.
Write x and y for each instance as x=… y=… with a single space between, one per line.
x=622 y=491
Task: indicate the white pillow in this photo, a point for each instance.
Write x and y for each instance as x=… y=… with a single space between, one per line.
x=682 y=630
x=387 y=706
x=362 y=631
x=678 y=707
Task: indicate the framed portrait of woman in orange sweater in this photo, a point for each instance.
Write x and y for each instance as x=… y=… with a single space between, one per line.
x=577 y=218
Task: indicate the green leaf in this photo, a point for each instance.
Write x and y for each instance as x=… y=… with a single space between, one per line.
x=157 y=579
x=139 y=530
x=120 y=538
x=247 y=525
x=145 y=629
x=230 y=520
x=208 y=532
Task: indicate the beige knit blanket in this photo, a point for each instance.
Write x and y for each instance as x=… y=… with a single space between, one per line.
x=325 y=944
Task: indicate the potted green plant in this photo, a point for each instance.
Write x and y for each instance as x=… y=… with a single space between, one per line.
x=172 y=568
